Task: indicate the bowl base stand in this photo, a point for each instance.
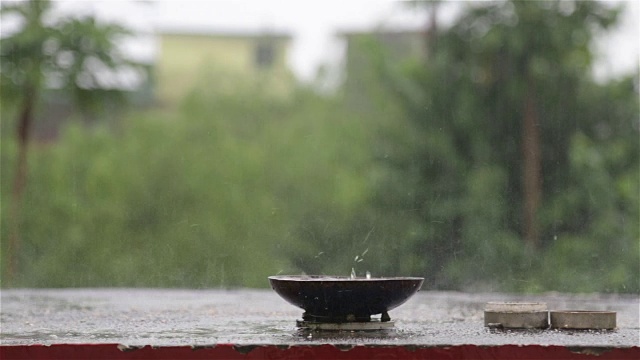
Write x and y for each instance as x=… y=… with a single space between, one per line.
x=372 y=325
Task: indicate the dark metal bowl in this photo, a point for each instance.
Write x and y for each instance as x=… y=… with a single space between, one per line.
x=336 y=298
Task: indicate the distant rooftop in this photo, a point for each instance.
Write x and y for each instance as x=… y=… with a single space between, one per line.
x=226 y=32
x=381 y=31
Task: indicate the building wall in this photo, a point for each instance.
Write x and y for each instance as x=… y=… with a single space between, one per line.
x=187 y=59
x=363 y=48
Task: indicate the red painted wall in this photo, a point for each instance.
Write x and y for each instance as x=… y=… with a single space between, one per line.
x=231 y=352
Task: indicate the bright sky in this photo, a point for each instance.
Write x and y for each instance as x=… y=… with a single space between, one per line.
x=314 y=24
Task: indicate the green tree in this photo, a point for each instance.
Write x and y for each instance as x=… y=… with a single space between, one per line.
x=499 y=106
x=528 y=55
x=213 y=193
x=66 y=55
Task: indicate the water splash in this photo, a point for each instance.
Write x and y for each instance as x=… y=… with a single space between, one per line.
x=368 y=275
x=353 y=273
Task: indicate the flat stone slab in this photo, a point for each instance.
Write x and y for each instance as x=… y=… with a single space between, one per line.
x=247 y=317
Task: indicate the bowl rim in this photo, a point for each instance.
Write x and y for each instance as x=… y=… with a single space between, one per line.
x=334 y=278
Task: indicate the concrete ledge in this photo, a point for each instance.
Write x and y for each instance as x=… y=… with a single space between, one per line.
x=257 y=324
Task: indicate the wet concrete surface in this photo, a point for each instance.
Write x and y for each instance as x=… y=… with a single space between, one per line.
x=165 y=317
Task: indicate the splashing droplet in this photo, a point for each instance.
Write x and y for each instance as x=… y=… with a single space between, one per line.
x=353 y=273
x=368 y=275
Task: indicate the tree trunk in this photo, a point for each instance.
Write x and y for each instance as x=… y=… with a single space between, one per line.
x=19 y=181
x=532 y=179
x=431 y=37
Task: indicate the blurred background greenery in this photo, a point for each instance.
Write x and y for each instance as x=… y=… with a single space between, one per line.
x=487 y=159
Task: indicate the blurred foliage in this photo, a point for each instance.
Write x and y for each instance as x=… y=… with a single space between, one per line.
x=466 y=104
x=424 y=180
x=208 y=195
x=75 y=56
x=48 y=57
